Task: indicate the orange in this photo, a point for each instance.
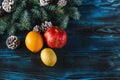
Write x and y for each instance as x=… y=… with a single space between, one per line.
x=34 y=41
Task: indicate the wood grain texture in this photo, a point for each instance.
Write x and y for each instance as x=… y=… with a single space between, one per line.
x=92 y=51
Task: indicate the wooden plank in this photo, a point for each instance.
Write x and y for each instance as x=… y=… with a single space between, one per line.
x=92 y=51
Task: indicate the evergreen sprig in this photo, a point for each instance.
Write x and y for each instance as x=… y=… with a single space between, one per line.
x=26 y=14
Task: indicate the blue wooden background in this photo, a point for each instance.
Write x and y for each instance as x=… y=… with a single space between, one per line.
x=92 y=51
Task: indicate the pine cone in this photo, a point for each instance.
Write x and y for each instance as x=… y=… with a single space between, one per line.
x=7 y=5
x=12 y=42
x=62 y=3
x=36 y=28
x=45 y=2
x=45 y=26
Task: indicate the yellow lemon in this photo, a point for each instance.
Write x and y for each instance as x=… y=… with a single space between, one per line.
x=48 y=57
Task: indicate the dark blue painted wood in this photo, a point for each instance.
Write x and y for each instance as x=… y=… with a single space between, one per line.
x=92 y=51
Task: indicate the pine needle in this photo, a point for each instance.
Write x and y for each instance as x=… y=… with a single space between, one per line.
x=64 y=22
x=25 y=20
x=74 y=2
x=27 y=13
x=3 y=26
x=73 y=12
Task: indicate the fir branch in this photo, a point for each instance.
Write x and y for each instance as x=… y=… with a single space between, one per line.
x=27 y=12
x=35 y=2
x=35 y=11
x=74 y=2
x=11 y=30
x=73 y=12
x=54 y=11
x=23 y=3
x=44 y=14
x=64 y=22
x=59 y=12
x=3 y=26
x=6 y=18
x=25 y=20
x=50 y=7
x=17 y=13
x=18 y=26
x=1 y=32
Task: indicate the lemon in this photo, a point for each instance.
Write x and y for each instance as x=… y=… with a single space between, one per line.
x=48 y=57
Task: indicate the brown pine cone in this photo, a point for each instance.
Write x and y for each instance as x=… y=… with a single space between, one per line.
x=45 y=2
x=12 y=42
x=45 y=26
x=62 y=3
x=8 y=5
x=36 y=28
